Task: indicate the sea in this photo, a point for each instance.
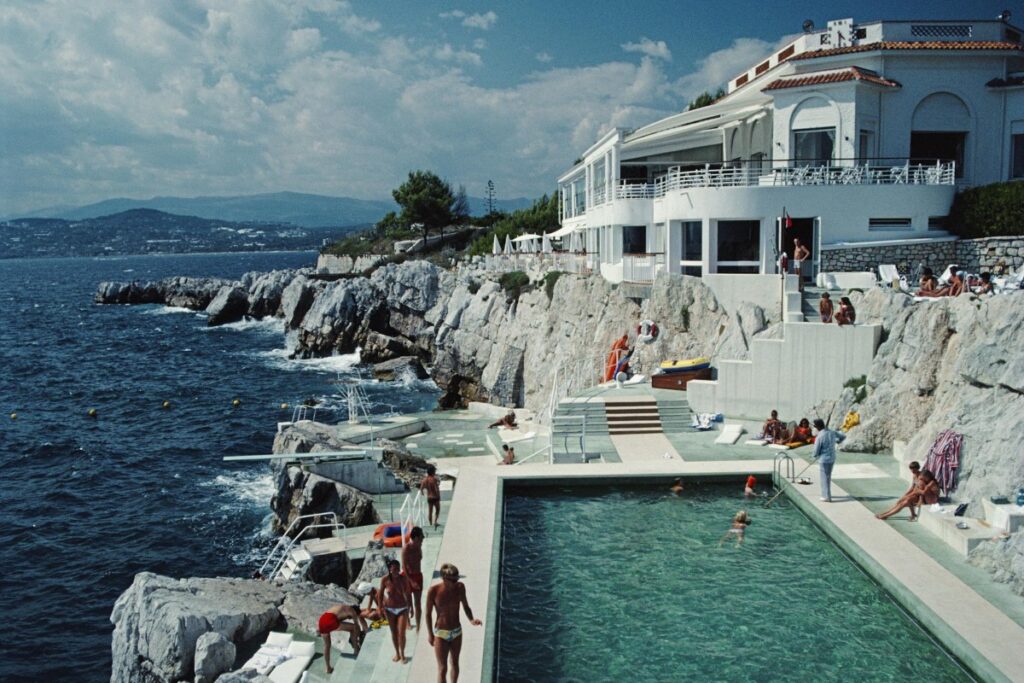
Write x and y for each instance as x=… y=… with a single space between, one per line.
x=86 y=502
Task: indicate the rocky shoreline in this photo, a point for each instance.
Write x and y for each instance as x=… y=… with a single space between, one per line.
x=948 y=364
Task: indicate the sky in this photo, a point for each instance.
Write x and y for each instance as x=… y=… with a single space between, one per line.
x=138 y=99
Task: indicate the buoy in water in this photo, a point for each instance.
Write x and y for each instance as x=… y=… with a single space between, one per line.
x=236 y=403
x=14 y=416
x=284 y=406
x=166 y=405
x=92 y=412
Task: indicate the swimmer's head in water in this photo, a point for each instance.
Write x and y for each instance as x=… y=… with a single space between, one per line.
x=742 y=517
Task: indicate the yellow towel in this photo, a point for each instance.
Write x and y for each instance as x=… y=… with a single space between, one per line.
x=851 y=420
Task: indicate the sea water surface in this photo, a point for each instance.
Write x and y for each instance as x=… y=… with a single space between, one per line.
x=86 y=503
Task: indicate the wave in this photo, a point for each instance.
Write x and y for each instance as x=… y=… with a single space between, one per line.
x=279 y=358
x=267 y=325
x=244 y=488
x=166 y=310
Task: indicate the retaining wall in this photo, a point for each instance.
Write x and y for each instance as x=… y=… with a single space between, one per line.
x=978 y=255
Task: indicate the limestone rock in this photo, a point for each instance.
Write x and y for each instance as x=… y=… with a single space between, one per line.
x=374 y=565
x=296 y=298
x=158 y=621
x=265 y=291
x=246 y=676
x=230 y=305
x=405 y=366
x=1004 y=558
x=403 y=464
x=185 y=292
x=306 y=436
x=382 y=347
x=303 y=493
x=215 y=654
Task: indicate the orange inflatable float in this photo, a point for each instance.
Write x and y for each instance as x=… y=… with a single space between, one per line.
x=390 y=534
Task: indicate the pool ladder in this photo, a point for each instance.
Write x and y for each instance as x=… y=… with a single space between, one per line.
x=783 y=463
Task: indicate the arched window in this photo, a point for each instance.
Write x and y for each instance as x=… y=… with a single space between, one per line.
x=939 y=130
x=814 y=132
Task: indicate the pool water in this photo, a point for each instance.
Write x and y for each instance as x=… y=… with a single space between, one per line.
x=631 y=584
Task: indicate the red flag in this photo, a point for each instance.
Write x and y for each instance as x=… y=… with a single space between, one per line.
x=787 y=220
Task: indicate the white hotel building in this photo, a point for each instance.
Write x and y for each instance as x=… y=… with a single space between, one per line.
x=862 y=132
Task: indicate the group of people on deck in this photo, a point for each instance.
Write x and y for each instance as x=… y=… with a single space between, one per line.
x=793 y=434
x=958 y=283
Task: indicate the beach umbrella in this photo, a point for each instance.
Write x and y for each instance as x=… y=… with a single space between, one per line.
x=545 y=245
x=496 y=248
x=508 y=245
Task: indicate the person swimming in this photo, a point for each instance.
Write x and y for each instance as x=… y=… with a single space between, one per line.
x=677 y=487
x=740 y=522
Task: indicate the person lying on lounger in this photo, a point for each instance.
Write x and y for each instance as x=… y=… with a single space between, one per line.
x=803 y=433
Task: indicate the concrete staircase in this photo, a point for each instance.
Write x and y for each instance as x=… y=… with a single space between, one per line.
x=676 y=416
x=567 y=428
x=632 y=417
x=809 y=303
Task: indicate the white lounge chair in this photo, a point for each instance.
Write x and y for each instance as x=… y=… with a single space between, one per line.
x=272 y=652
x=300 y=654
x=730 y=434
x=888 y=273
x=702 y=422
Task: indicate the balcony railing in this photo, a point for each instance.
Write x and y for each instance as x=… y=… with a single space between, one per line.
x=765 y=174
x=641 y=268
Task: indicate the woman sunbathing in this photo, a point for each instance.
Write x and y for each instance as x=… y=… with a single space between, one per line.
x=926 y=492
x=802 y=433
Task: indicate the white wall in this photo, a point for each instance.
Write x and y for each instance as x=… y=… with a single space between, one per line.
x=761 y=290
x=810 y=364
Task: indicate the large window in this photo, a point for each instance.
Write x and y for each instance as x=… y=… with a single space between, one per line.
x=1017 y=156
x=739 y=246
x=579 y=196
x=814 y=146
x=634 y=239
x=929 y=147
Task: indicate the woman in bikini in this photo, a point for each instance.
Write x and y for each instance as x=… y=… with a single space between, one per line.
x=395 y=595
x=925 y=493
x=846 y=315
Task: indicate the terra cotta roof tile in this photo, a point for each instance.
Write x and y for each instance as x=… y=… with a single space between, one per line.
x=853 y=73
x=911 y=45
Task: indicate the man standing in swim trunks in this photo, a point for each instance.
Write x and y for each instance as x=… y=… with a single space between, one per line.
x=412 y=555
x=431 y=488
x=335 y=619
x=396 y=598
x=445 y=635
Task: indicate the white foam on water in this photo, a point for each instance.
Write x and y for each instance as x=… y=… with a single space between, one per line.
x=248 y=489
x=274 y=325
x=278 y=358
x=166 y=310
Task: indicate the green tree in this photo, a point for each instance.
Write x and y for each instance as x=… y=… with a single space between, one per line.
x=425 y=199
x=706 y=98
x=539 y=218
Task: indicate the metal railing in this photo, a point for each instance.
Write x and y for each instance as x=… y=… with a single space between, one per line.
x=794 y=172
x=279 y=553
x=546 y=449
x=411 y=513
x=641 y=268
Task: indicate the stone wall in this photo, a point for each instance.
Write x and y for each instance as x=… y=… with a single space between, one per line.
x=979 y=255
x=343 y=265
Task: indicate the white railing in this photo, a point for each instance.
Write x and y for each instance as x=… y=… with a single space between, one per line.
x=762 y=174
x=641 y=268
x=411 y=513
x=286 y=542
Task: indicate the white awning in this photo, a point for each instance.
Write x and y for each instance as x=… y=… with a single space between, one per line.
x=561 y=232
x=527 y=237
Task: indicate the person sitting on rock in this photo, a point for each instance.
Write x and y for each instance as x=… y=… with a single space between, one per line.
x=510 y=455
x=846 y=315
x=508 y=421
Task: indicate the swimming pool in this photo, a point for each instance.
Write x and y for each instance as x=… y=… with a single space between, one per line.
x=630 y=583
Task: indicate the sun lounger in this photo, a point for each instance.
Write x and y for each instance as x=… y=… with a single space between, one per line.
x=888 y=273
x=702 y=422
x=300 y=654
x=756 y=442
x=272 y=652
x=730 y=434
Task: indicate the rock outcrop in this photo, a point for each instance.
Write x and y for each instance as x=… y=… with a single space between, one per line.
x=230 y=305
x=302 y=493
x=162 y=625
x=185 y=292
x=1004 y=558
x=403 y=366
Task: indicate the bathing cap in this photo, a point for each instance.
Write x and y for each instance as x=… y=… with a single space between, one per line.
x=751 y=481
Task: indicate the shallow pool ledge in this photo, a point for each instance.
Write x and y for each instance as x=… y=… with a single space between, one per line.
x=983 y=637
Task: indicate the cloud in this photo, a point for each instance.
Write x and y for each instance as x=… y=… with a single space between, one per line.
x=479 y=44
x=717 y=68
x=239 y=98
x=483 y=21
x=651 y=48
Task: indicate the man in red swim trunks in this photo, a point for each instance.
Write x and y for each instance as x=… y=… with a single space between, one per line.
x=335 y=619
x=412 y=555
x=431 y=488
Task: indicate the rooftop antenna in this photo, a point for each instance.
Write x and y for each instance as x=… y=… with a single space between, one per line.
x=1004 y=16
x=808 y=25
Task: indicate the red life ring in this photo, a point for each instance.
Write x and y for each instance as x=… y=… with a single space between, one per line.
x=647 y=331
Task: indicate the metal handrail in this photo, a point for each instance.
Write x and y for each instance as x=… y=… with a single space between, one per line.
x=535 y=454
x=415 y=503
x=287 y=534
x=292 y=543
x=777 y=466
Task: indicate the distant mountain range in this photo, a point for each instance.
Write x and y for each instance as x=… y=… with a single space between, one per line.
x=303 y=210
x=147 y=231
